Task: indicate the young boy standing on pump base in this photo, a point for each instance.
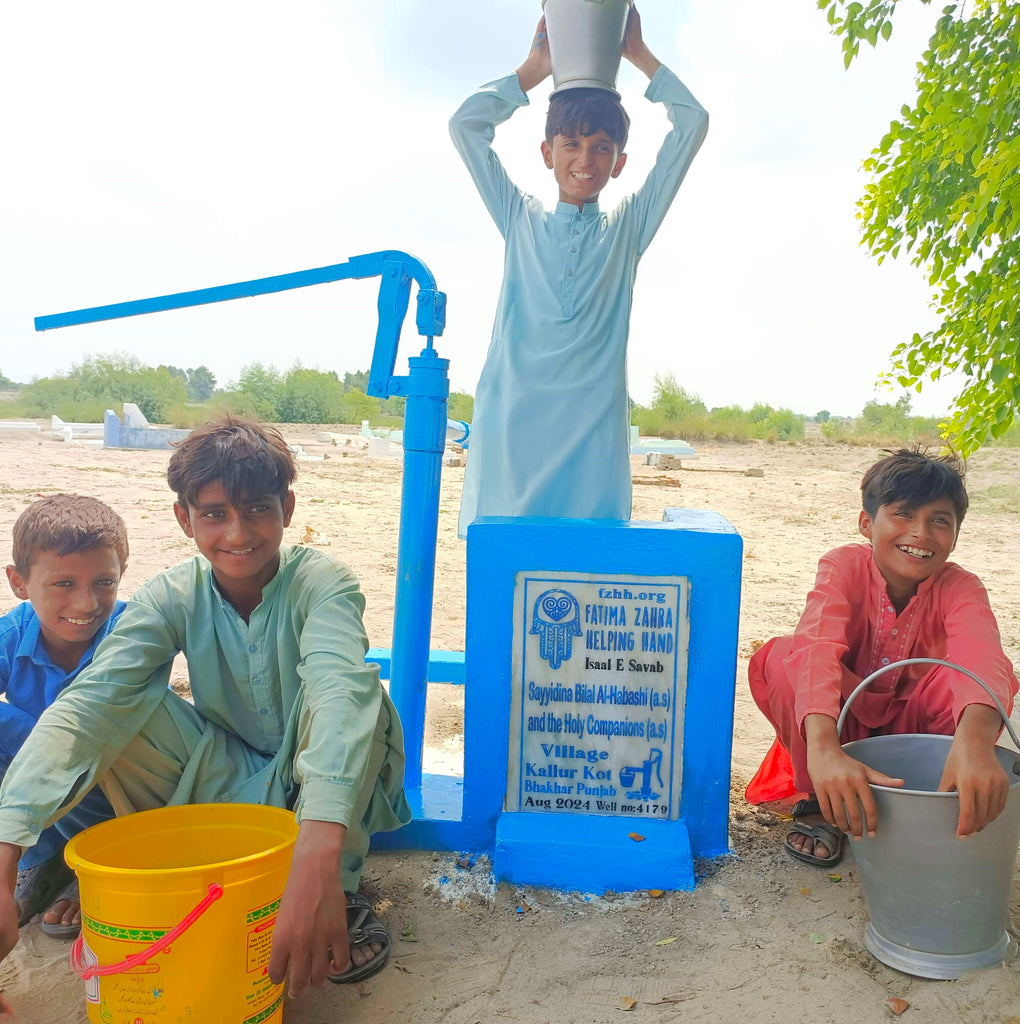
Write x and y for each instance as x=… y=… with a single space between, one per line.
x=874 y=604
x=286 y=711
x=551 y=431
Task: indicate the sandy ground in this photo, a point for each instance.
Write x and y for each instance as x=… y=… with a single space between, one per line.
x=760 y=939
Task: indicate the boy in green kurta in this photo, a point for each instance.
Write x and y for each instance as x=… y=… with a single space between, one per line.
x=286 y=712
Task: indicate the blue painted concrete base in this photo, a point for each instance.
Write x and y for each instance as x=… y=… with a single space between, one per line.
x=600 y=856
x=438 y=820
x=592 y=853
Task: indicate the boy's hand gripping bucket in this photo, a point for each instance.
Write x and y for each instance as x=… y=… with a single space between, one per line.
x=178 y=909
x=938 y=904
x=585 y=38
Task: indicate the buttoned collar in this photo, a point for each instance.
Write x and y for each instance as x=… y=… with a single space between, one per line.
x=570 y=210
x=31 y=645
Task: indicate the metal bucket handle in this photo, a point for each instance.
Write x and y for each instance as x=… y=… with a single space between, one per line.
x=927 y=661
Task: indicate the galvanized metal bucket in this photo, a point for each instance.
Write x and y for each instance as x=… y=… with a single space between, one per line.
x=585 y=37
x=938 y=904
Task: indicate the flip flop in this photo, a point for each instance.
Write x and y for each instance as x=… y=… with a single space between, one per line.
x=37 y=887
x=824 y=833
x=57 y=930
x=363 y=927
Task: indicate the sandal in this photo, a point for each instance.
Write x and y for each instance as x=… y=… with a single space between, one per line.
x=821 y=832
x=363 y=927
x=37 y=886
x=57 y=929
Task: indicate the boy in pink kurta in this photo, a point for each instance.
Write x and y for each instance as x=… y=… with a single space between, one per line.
x=874 y=604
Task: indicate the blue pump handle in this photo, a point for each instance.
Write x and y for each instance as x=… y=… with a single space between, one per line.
x=396 y=269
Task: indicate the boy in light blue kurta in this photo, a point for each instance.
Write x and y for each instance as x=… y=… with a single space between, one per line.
x=286 y=711
x=551 y=429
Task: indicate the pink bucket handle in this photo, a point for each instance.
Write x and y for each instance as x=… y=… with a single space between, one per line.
x=136 y=959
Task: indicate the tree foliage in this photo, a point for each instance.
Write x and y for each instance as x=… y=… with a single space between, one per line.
x=109 y=380
x=358 y=379
x=672 y=400
x=945 y=188
x=199 y=381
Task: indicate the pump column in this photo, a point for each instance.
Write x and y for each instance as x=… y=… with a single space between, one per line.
x=427 y=390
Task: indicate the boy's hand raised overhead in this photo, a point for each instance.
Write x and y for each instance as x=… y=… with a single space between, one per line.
x=973 y=770
x=634 y=48
x=537 y=65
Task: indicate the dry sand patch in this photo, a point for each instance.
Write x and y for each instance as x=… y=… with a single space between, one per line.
x=760 y=939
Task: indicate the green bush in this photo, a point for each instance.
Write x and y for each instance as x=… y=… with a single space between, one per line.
x=730 y=423
x=101 y=382
x=461 y=406
x=883 y=425
x=262 y=385
x=311 y=396
x=303 y=395
x=672 y=401
x=776 y=424
x=241 y=403
x=72 y=410
x=357 y=406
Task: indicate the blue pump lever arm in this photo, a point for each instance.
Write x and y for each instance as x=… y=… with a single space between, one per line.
x=397 y=269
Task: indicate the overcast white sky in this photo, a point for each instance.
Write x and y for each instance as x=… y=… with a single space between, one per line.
x=154 y=148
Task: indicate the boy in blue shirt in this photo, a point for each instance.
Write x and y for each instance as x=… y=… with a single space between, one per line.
x=551 y=431
x=69 y=554
x=285 y=710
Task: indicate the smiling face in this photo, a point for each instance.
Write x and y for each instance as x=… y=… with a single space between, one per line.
x=583 y=165
x=241 y=542
x=910 y=543
x=73 y=595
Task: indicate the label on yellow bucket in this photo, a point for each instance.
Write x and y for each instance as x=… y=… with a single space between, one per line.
x=265 y=1014
x=89 y=959
x=168 y=985
x=259 y=945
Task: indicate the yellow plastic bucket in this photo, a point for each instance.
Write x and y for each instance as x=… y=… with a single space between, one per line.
x=178 y=909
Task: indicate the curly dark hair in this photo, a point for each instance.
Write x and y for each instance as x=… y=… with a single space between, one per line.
x=915 y=477
x=248 y=458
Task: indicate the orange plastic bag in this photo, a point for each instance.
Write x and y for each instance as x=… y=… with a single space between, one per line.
x=774 y=779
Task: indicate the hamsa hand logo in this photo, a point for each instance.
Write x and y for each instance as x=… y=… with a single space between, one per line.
x=556 y=619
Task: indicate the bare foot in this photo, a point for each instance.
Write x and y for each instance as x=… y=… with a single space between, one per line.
x=362 y=954
x=805 y=844
x=64 y=914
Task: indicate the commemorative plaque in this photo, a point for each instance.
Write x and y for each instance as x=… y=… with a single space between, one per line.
x=598 y=690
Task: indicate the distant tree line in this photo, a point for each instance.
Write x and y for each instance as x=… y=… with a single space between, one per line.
x=302 y=395
x=677 y=413
x=184 y=397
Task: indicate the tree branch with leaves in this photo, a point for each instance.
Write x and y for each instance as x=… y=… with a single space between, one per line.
x=945 y=189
